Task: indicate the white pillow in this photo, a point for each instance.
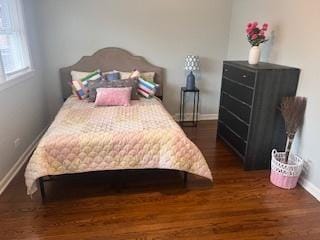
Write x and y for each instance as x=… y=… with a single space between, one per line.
x=148 y=76
x=78 y=75
x=125 y=75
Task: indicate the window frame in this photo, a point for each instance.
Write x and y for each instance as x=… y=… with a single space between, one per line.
x=26 y=73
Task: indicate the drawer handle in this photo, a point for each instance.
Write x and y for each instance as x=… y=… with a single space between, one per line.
x=244 y=76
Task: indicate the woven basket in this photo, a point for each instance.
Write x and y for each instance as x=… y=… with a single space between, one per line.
x=285 y=175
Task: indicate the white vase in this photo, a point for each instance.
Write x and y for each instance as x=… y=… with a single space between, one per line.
x=254 y=55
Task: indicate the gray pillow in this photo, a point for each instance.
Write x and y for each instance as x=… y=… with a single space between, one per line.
x=112 y=76
x=93 y=85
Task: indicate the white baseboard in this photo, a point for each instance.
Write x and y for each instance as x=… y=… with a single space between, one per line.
x=310 y=187
x=201 y=117
x=4 y=182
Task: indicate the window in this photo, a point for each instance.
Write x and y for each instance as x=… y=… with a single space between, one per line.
x=14 y=52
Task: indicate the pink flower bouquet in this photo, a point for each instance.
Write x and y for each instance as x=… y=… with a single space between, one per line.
x=255 y=34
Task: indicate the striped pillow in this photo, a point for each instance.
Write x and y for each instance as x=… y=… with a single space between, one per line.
x=147 y=89
x=80 y=82
x=91 y=77
x=79 y=89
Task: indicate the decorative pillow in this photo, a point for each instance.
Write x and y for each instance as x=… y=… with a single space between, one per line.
x=80 y=81
x=79 y=89
x=78 y=75
x=147 y=89
x=148 y=76
x=125 y=75
x=133 y=83
x=96 y=75
x=145 y=93
x=113 y=75
x=85 y=75
x=113 y=96
x=135 y=74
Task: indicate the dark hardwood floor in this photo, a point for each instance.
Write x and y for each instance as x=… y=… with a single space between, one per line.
x=156 y=205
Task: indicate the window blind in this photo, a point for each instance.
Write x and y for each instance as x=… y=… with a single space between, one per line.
x=14 y=54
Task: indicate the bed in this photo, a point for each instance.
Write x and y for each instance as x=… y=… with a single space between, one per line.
x=84 y=138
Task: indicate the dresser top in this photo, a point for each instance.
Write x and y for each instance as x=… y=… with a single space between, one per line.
x=259 y=66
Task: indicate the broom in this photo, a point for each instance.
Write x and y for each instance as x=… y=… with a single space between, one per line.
x=292 y=109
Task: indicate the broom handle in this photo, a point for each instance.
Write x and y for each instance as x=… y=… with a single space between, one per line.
x=288 y=147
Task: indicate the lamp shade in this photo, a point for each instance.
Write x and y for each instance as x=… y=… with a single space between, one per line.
x=192 y=63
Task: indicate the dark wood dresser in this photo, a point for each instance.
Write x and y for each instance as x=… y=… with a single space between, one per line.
x=250 y=121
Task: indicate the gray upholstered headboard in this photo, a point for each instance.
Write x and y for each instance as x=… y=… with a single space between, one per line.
x=109 y=59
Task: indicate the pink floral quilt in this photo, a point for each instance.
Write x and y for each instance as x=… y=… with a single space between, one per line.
x=86 y=138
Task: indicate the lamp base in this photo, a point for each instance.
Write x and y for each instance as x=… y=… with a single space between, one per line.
x=191 y=85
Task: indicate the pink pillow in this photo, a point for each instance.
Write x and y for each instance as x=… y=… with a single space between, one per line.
x=113 y=96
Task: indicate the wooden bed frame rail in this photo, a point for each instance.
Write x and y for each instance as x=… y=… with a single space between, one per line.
x=42 y=181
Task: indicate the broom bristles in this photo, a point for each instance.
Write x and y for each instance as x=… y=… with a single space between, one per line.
x=292 y=109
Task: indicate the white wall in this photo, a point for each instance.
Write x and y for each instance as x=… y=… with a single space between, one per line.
x=23 y=107
x=294 y=42
x=162 y=31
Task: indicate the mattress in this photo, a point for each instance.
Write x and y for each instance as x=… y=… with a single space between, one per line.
x=85 y=138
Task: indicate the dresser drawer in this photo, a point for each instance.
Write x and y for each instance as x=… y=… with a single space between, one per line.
x=240 y=92
x=227 y=135
x=239 y=75
x=233 y=123
x=238 y=108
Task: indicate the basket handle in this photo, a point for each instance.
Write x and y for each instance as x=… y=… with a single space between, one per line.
x=274 y=152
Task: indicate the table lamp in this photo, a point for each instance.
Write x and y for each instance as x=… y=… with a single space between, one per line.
x=192 y=65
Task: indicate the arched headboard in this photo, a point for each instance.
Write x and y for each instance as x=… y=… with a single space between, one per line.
x=108 y=59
